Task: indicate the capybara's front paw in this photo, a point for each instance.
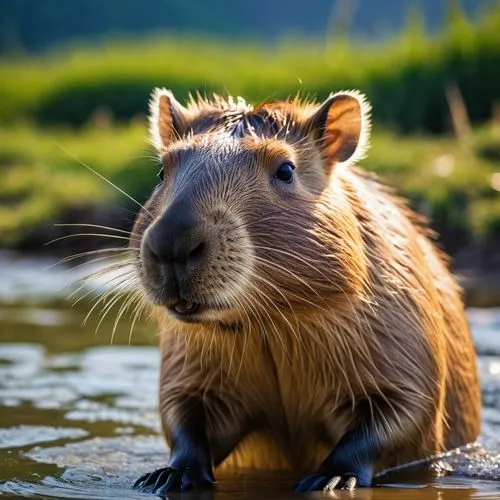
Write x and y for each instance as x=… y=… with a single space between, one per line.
x=169 y=479
x=321 y=481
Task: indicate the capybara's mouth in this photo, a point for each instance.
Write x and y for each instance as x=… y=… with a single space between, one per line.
x=185 y=309
x=192 y=312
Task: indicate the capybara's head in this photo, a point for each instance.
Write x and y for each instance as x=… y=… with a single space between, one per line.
x=251 y=218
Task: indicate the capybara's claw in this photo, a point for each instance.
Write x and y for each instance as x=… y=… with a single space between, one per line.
x=319 y=481
x=345 y=482
x=169 y=479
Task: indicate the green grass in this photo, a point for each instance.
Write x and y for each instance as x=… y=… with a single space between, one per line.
x=91 y=102
x=404 y=77
x=43 y=177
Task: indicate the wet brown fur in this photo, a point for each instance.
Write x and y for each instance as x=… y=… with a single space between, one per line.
x=349 y=312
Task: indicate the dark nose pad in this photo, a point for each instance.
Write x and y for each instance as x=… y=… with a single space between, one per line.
x=177 y=241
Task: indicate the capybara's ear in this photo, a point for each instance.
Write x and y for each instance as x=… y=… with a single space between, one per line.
x=341 y=128
x=167 y=118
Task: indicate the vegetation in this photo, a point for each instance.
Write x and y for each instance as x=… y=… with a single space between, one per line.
x=44 y=175
x=405 y=77
x=87 y=105
x=27 y=25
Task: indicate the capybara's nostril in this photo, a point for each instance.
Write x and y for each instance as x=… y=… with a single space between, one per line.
x=156 y=249
x=196 y=255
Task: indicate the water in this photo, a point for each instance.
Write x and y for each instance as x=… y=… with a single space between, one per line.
x=78 y=416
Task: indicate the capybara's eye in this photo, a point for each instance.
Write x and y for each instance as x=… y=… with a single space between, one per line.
x=160 y=174
x=285 y=172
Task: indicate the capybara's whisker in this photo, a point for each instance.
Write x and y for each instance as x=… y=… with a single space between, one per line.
x=300 y=303
x=91 y=262
x=123 y=309
x=95 y=226
x=118 y=286
x=83 y=164
x=93 y=252
x=96 y=235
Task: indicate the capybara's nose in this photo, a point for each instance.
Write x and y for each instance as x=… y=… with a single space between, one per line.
x=177 y=240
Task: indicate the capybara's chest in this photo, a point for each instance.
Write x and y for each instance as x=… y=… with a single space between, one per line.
x=296 y=393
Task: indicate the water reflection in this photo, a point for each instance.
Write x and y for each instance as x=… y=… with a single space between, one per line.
x=254 y=486
x=78 y=418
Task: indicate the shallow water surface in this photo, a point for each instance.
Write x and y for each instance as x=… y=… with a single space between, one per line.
x=78 y=416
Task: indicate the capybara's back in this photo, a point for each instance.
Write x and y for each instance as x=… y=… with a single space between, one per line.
x=306 y=318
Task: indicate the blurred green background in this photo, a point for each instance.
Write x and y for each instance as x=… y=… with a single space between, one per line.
x=75 y=78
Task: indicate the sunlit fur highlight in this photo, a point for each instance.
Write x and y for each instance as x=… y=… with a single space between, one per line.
x=348 y=314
